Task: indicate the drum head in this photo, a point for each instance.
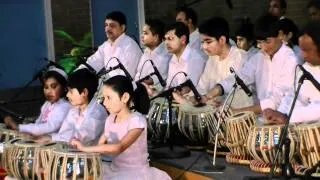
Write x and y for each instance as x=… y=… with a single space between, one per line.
x=240 y=116
x=192 y=109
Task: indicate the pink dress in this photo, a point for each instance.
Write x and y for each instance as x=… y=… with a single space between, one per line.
x=132 y=163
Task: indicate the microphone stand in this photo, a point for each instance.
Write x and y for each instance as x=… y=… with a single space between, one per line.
x=215 y=168
x=170 y=151
x=286 y=167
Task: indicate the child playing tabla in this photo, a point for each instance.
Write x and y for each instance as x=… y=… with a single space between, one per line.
x=125 y=134
x=53 y=111
x=86 y=119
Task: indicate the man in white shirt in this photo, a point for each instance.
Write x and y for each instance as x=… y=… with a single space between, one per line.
x=270 y=72
x=185 y=59
x=307 y=106
x=152 y=37
x=222 y=56
x=189 y=17
x=118 y=45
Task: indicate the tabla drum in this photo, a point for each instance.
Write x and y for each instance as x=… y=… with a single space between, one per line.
x=212 y=127
x=158 y=118
x=24 y=160
x=309 y=146
x=193 y=122
x=261 y=144
x=72 y=164
x=238 y=127
x=5 y=136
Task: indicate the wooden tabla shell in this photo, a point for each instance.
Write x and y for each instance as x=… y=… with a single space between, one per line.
x=5 y=136
x=262 y=147
x=72 y=164
x=309 y=145
x=193 y=122
x=158 y=117
x=213 y=123
x=24 y=159
x=238 y=127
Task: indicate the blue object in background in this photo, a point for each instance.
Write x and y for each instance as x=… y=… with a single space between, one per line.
x=23 y=41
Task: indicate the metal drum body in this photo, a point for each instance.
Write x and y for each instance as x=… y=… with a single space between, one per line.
x=158 y=118
x=193 y=122
x=261 y=144
x=23 y=159
x=74 y=165
x=238 y=127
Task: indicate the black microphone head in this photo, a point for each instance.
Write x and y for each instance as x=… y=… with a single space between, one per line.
x=231 y=70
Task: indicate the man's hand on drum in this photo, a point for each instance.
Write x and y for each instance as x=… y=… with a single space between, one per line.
x=10 y=123
x=150 y=90
x=77 y=144
x=271 y=116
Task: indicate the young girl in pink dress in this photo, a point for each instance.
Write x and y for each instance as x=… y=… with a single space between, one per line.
x=125 y=135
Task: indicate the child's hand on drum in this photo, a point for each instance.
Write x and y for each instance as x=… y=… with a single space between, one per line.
x=43 y=139
x=178 y=97
x=271 y=116
x=10 y=123
x=77 y=144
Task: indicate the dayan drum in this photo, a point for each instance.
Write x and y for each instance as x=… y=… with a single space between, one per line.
x=238 y=127
x=193 y=122
x=261 y=144
x=309 y=146
x=24 y=159
x=71 y=164
x=212 y=127
x=158 y=118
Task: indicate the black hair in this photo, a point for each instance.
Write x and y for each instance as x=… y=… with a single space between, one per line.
x=117 y=16
x=283 y=4
x=312 y=29
x=59 y=78
x=84 y=79
x=180 y=30
x=190 y=14
x=246 y=29
x=314 y=3
x=156 y=27
x=265 y=27
x=286 y=26
x=139 y=96
x=215 y=27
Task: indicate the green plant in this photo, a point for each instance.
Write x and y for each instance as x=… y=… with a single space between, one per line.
x=81 y=49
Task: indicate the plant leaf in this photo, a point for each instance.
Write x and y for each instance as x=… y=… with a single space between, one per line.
x=64 y=35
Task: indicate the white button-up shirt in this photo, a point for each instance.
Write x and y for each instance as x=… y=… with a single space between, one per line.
x=270 y=78
x=218 y=69
x=307 y=106
x=190 y=62
x=252 y=51
x=124 y=48
x=86 y=126
x=50 y=119
x=160 y=57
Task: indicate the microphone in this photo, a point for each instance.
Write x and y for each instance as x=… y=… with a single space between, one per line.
x=105 y=71
x=18 y=116
x=90 y=68
x=241 y=83
x=157 y=73
x=307 y=75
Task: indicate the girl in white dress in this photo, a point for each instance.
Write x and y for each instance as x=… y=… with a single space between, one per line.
x=125 y=135
x=53 y=111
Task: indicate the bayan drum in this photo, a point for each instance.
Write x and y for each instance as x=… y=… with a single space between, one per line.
x=193 y=122
x=238 y=127
x=72 y=164
x=23 y=159
x=261 y=144
x=158 y=118
x=309 y=146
